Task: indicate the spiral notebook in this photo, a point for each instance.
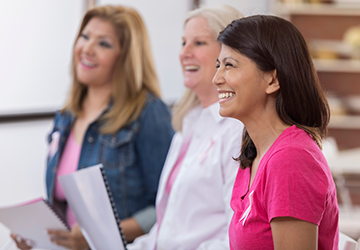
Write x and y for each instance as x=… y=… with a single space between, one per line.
x=31 y=220
x=89 y=197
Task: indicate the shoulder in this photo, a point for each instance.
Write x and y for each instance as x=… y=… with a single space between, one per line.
x=155 y=116
x=296 y=182
x=300 y=163
x=231 y=130
x=291 y=155
x=59 y=115
x=152 y=100
x=230 y=124
x=154 y=105
x=61 y=118
x=233 y=125
x=297 y=146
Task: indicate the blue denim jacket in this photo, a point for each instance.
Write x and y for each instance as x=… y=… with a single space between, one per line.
x=133 y=158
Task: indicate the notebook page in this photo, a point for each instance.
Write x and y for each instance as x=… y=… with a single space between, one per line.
x=30 y=220
x=87 y=197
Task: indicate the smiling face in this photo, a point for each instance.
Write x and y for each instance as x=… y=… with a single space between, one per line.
x=198 y=58
x=243 y=89
x=96 y=52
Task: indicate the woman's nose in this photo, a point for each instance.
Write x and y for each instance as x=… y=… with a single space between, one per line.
x=88 y=48
x=186 y=51
x=218 y=78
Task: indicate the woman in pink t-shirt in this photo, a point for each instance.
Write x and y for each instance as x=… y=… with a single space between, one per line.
x=284 y=196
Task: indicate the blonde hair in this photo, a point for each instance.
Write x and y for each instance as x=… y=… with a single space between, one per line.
x=218 y=18
x=134 y=74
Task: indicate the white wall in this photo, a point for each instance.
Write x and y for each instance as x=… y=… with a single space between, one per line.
x=22 y=169
x=37 y=42
x=35 y=48
x=246 y=7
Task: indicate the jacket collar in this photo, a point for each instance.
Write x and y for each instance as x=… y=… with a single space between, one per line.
x=214 y=110
x=198 y=111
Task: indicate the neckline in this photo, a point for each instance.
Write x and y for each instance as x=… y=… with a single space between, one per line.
x=248 y=170
x=72 y=138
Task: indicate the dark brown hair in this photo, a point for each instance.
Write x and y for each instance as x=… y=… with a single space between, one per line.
x=274 y=43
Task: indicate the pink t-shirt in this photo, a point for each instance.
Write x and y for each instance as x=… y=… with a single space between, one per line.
x=293 y=179
x=68 y=164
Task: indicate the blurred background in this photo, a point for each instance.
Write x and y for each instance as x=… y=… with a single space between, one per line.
x=35 y=54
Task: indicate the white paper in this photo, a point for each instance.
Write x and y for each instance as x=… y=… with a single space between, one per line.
x=31 y=220
x=86 y=194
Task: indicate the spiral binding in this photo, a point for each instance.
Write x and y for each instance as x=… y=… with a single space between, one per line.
x=62 y=220
x=113 y=207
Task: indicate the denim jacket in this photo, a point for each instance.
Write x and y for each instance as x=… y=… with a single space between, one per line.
x=133 y=158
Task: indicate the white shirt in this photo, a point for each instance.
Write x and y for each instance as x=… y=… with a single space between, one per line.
x=197 y=212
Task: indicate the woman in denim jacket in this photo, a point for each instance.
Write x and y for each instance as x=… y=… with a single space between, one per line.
x=113 y=116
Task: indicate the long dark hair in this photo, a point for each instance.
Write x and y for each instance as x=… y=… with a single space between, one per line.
x=274 y=43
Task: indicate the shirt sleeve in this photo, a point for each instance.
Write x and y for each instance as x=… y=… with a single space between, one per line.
x=152 y=144
x=231 y=144
x=296 y=186
x=144 y=242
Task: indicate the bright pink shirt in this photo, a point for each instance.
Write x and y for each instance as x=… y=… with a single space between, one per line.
x=293 y=179
x=68 y=164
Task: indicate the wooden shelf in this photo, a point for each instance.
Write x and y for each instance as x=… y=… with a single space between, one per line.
x=343 y=66
x=344 y=122
x=317 y=9
x=323 y=27
x=320 y=21
x=345 y=162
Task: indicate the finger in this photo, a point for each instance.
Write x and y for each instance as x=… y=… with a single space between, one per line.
x=62 y=242
x=58 y=233
x=30 y=243
x=20 y=242
x=19 y=238
x=13 y=236
x=23 y=246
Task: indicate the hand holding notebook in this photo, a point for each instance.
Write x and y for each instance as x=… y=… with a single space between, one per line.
x=31 y=220
x=89 y=198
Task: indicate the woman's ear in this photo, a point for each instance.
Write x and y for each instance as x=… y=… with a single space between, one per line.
x=273 y=82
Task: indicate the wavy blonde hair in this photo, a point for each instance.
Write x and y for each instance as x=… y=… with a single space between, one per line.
x=134 y=74
x=218 y=18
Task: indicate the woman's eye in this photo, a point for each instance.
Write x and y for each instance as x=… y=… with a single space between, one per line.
x=84 y=36
x=228 y=65
x=183 y=44
x=217 y=66
x=200 y=43
x=105 y=44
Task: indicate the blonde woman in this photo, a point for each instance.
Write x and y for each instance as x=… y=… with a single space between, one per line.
x=192 y=204
x=113 y=116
